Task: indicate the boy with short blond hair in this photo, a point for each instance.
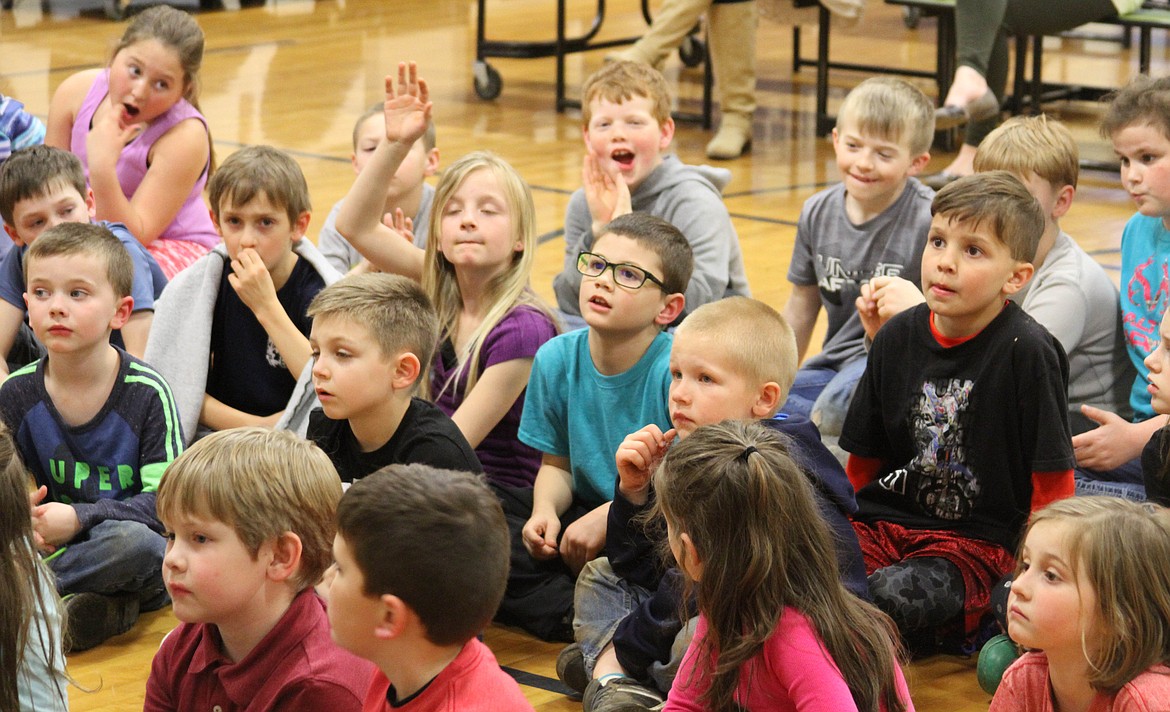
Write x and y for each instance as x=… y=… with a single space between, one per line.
x=249 y=514
x=959 y=426
x=422 y=561
x=628 y=130
x=407 y=191
x=40 y=187
x=731 y=359
x=871 y=225
x=231 y=331
x=589 y=388
x=372 y=337
x=96 y=427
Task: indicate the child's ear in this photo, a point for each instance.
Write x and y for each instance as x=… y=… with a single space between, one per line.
x=1020 y=275
x=767 y=400
x=691 y=562
x=918 y=163
x=432 y=165
x=301 y=226
x=395 y=615
x=286 y=557
x=215 y=221
x=90 y=204
x=122 y=312
x=13 y=234
x=671 y=308
x=667 y=133
x=406 y=371
x=1064 y=200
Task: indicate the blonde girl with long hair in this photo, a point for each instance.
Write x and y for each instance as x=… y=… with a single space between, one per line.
x=776 y=629
x=1091 y=601
x=476 y=270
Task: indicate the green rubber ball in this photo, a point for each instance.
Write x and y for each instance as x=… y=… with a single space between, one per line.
x=994 y=659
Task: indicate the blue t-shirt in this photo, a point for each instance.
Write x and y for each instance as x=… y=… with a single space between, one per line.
x=148 y=276
x=571 y=410
x=105 y=468
x=1145 y=288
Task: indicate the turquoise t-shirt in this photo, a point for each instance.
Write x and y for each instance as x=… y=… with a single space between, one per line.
x=571 y=410
x=1145 y=291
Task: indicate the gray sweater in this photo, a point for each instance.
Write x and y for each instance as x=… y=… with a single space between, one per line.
x=689 y=198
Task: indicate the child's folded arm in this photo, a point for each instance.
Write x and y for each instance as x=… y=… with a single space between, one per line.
x=632 y=554
x=253 y=284
x=494 y=394
x=217 y=415
x=139 y=508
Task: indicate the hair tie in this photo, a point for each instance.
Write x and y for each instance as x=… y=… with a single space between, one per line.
x=747 y=451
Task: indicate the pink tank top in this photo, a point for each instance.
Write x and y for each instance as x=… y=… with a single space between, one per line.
x=192 y=223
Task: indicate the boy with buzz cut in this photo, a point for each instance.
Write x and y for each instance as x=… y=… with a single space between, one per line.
x=41 y=187
x=250 y=521
x=871 y=225
x=625 y=110
x=731 y=359
x=230 y=331
x=406 y=190
x=422 y=561
x=372 y=336
x=588 y=388
x=959 y=426
x=97 y=428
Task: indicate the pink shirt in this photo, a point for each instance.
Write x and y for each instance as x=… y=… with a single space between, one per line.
x=296 y=667
x=473 y=682
x=1025 y=687
x=193 y=222
x=792 y=672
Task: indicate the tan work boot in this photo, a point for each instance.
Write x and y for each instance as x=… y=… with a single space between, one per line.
x=731 y=31
x=673 y=21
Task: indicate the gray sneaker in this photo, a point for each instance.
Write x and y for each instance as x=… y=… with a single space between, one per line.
x=620 y=694
x=571 y=668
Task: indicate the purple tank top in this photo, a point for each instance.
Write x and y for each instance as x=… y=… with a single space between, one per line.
x=192 y=223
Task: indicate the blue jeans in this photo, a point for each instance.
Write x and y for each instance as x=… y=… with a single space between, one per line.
x=825 y=393
x=830 y=407
x=114 y=557
x=600 y=601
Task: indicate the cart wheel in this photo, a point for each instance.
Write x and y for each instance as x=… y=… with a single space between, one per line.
x=487 y=81
x=692 y=51
x=911 y=16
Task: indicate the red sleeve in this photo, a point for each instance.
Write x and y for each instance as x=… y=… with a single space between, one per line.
x=1050 y=486
x=862 y=470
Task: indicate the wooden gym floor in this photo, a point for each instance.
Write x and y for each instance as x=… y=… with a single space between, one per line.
x=296 y=73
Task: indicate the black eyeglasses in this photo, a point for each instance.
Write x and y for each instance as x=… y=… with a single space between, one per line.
x=624 y=274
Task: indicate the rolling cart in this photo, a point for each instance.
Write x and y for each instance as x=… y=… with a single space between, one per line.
x=489 y=84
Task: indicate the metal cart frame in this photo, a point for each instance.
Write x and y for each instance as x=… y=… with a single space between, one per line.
x=489 y=84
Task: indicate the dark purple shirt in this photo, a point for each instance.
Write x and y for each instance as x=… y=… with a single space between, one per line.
x=505 y=459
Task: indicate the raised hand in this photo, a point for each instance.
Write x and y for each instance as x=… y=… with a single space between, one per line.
x=607 y=195
x=408 y=107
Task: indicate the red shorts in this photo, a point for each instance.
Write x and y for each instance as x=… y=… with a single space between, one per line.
x=981 y=563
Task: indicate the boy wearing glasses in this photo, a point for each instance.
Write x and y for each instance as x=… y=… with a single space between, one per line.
x=588 y=389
